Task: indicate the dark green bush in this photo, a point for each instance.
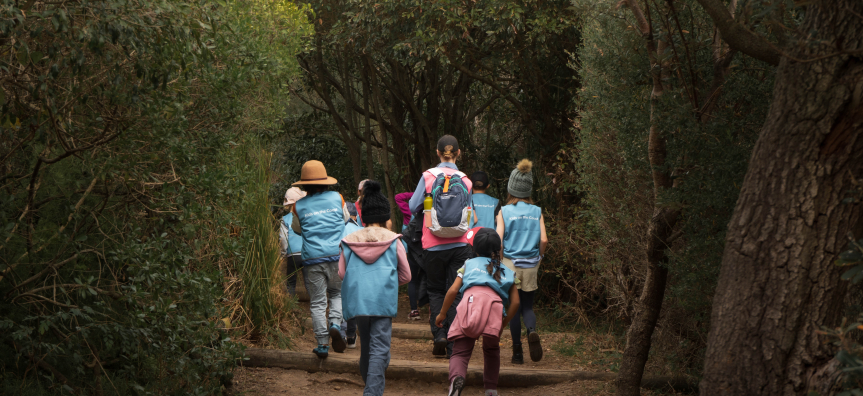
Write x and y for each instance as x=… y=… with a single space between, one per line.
x=124 y=129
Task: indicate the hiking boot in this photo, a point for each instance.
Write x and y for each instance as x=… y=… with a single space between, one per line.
x=414 y=315
x=517 y=354
x=456 y=386
x=337 y=341
x=534 y=345
x=439 y=346
x=322 y=351
x=352 y=342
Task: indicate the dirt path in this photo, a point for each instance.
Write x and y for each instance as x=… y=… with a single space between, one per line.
x=561 y=351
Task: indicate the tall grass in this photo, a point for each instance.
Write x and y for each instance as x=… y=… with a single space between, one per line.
x=262 y=300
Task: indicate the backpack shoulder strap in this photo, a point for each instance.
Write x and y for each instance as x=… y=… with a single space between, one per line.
x=429 y=177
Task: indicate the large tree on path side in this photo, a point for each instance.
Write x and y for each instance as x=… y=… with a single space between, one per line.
x=778 y=283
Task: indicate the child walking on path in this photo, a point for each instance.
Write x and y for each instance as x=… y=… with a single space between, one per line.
x=373 y=265
x=290 y=242
x=522 y=228
x=320 y=218
x=486 y=287
x=485 y=206
x=349 y=326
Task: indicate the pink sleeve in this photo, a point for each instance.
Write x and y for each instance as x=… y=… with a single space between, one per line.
x=402 y=200
x=403 y=266
x=342 y=265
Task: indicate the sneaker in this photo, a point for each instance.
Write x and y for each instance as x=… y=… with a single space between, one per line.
x=517 y=354
x=337 y=341
x=439 y=347
x=414 y=315
x=352 y=342
x=534 y=345
x=491 y=392
x=456 y=386
x=322 y=351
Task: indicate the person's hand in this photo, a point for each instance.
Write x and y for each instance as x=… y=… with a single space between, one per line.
x=438 y=321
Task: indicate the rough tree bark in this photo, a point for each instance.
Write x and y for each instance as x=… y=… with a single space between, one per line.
x=777 y=283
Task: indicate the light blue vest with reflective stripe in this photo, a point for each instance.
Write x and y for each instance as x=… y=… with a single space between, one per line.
x=476 y=274
x=323 y=223
x=521 y=230
x=295 y=241
x=371 y=289
x=484 y=206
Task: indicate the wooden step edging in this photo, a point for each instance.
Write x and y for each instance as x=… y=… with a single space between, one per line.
x=439 y=372
x=419 y=331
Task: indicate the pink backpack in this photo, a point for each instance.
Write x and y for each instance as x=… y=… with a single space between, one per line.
x=479 y=313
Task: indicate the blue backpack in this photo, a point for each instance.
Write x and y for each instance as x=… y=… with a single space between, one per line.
x=450 y=204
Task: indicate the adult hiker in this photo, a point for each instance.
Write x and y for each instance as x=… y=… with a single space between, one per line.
x=290 y=243
x=522 y=228
x=485 y=206
x=442 y=198
x=487 y=288
x=373 y=265
x=320 y=218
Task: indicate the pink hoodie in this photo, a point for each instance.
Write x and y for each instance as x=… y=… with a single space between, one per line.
x=372 y=242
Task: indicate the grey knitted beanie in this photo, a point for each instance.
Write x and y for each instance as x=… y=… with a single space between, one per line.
x=521 y=180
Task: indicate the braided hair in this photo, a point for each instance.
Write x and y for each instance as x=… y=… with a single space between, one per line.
x=494 y=265
x=487 y=244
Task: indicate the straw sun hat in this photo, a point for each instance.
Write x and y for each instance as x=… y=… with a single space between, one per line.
x=313 y=172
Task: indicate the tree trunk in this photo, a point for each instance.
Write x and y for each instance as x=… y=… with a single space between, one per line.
x=370 y=165
x=647 y=310
x=778 y=283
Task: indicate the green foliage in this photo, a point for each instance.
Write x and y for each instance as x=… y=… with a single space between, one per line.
x=259 y=270
x=122 y=133
x=709 y=134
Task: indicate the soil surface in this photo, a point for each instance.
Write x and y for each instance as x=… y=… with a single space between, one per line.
x=561 y=351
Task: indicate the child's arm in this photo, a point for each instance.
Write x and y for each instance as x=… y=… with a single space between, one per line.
x=543 y=238
x=513 y=306
x=501 y=228
x=404 y=268
x=447 y=301
x=342 y=265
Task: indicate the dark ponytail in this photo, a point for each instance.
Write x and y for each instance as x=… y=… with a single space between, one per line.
x=494 y=265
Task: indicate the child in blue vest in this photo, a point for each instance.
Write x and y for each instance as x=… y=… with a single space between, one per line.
x=485 y=206
x=486 y=287
x=522 y=228
x=320 y=218
x=373 y=265
x=290 y=242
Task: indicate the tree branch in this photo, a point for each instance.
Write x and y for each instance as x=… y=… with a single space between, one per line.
x=739 y=37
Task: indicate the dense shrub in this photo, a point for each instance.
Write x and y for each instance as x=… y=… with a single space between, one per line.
x=708 y=147
x=125 y=132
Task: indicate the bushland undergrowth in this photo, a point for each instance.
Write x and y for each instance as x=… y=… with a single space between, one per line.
x=129 y=146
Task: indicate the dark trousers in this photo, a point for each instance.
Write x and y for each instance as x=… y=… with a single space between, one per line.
x=415 y=285
x=440 y=272
x=461 y=353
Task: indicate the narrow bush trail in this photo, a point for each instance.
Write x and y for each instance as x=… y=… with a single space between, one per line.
x=587 y=355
